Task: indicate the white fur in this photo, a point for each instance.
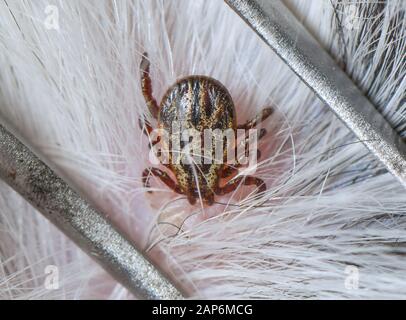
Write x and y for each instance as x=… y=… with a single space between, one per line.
x=74 y=95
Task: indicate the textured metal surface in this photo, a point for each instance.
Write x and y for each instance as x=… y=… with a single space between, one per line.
x=277 y=26
x=38 y=184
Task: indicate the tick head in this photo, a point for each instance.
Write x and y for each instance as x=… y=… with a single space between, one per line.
x=198 y=181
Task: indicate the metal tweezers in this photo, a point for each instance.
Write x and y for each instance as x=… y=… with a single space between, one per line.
x=104 y=242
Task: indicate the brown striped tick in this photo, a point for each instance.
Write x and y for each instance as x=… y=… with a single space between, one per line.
x=202 y=103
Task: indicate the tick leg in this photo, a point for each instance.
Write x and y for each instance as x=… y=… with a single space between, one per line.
x=228 y=171
x=146 y=86
x=265 y=113
x=165 y=178
x=191 y=199
x=246 y=180
x=262 y=133
x=246 y=141
x=146 y=127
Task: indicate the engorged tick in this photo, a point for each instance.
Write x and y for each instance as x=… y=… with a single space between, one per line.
x=202 y=103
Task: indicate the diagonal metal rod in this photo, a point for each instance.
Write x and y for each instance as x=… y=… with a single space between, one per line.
x=278 y=28
x=90 y=230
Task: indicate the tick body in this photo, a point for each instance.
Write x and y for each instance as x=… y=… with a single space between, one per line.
x=197 y=103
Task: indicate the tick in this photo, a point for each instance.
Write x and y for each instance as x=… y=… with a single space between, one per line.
x=201 y=103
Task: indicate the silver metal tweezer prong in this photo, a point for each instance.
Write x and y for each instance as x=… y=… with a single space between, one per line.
x=90 y=230
x=278 y=27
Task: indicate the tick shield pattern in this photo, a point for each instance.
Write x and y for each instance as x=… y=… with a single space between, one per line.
x=188 y=146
